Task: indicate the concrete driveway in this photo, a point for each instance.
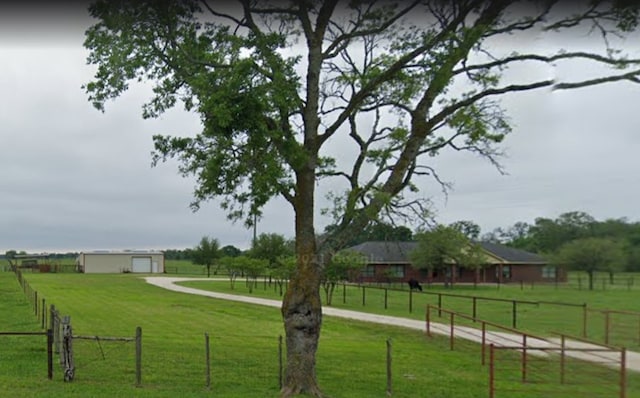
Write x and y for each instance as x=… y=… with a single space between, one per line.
x=462 y=332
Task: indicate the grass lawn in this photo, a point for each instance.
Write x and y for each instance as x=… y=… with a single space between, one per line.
x=244 y=341
x=186 y=268
x=244 y=347
x=542 y=319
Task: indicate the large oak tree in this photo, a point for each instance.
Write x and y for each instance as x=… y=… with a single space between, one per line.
x=206 y=253
x=591 y=255
x=277 y=83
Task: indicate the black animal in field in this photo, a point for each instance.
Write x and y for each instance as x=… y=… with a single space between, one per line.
x=414 y=284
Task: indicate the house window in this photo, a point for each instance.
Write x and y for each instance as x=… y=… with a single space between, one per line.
x=396 y=271
x=506 y=272
x=369 y=271
x=549 y=272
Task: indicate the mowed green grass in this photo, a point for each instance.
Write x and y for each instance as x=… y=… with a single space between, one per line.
x=244 y=345
x=543 y=319
x=185 y=267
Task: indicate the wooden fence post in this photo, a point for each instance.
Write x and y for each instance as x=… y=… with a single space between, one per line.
x=524 y=358
x=207 y=356
x=44 y=313
x=52 y=326
x=562 y=358
x=452 y=331
x=428 y=319
x=584 y=320
x=138 y=356
x=389 y=374
x=363 y=296
x=484 y=341
x=280 y=363
x=474 y=309
x=491 y=371
x=67 y=349
x=50 y=354
x=607 y=326
x=623 y=373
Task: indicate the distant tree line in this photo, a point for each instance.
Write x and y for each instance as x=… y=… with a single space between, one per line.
x=11 y=254
x=187 y=254
x=558 y=238
x=575 y=240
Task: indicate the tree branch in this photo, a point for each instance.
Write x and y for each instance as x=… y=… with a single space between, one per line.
x=391 y=71
x=342 y=41
x=631 y=76
x=550 y=59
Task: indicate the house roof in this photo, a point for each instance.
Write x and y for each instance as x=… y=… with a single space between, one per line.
x=385 y=252
x=512 y=255
x=396 y=252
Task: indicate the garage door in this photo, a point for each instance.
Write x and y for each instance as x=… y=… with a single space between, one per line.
x=141 y=264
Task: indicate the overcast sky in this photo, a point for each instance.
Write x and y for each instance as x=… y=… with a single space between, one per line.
x=75 y=179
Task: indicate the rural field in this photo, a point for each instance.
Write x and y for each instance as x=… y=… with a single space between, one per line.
x=538 y=309
x=244 y=343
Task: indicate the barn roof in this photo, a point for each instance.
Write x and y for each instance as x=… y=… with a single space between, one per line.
x=132 y=252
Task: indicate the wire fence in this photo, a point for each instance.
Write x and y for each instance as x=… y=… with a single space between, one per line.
x=606 y=326
x=224 y=357
x=525 y=365
x=517 y=371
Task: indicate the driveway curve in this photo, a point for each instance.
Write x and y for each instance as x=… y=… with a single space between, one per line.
x=467 y=333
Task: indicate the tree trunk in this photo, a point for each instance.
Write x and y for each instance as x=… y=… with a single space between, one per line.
x=302 y=313
x=302 y=305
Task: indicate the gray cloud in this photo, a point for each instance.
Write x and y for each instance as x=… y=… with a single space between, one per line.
x=76 y=179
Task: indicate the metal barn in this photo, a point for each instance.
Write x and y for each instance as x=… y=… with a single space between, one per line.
x=111 y=262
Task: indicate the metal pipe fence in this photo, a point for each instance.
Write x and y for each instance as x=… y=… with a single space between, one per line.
x=556 y=372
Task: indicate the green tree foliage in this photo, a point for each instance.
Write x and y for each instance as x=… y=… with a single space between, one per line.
x=276 y=250
x=250 y=268
x=206 y=253
x=284 y=272
x=470 y=229
x=233 y=267
x=547 y=235
x=591 y=255
x=444 y=246
x=177 y=254
x=230 y=251
x=340 y=268
x=375 y=231
x=633 y=259
x=275 y=84
x=271 y=248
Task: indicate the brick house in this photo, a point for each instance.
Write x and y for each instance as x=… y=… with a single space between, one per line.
x=390 y=261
